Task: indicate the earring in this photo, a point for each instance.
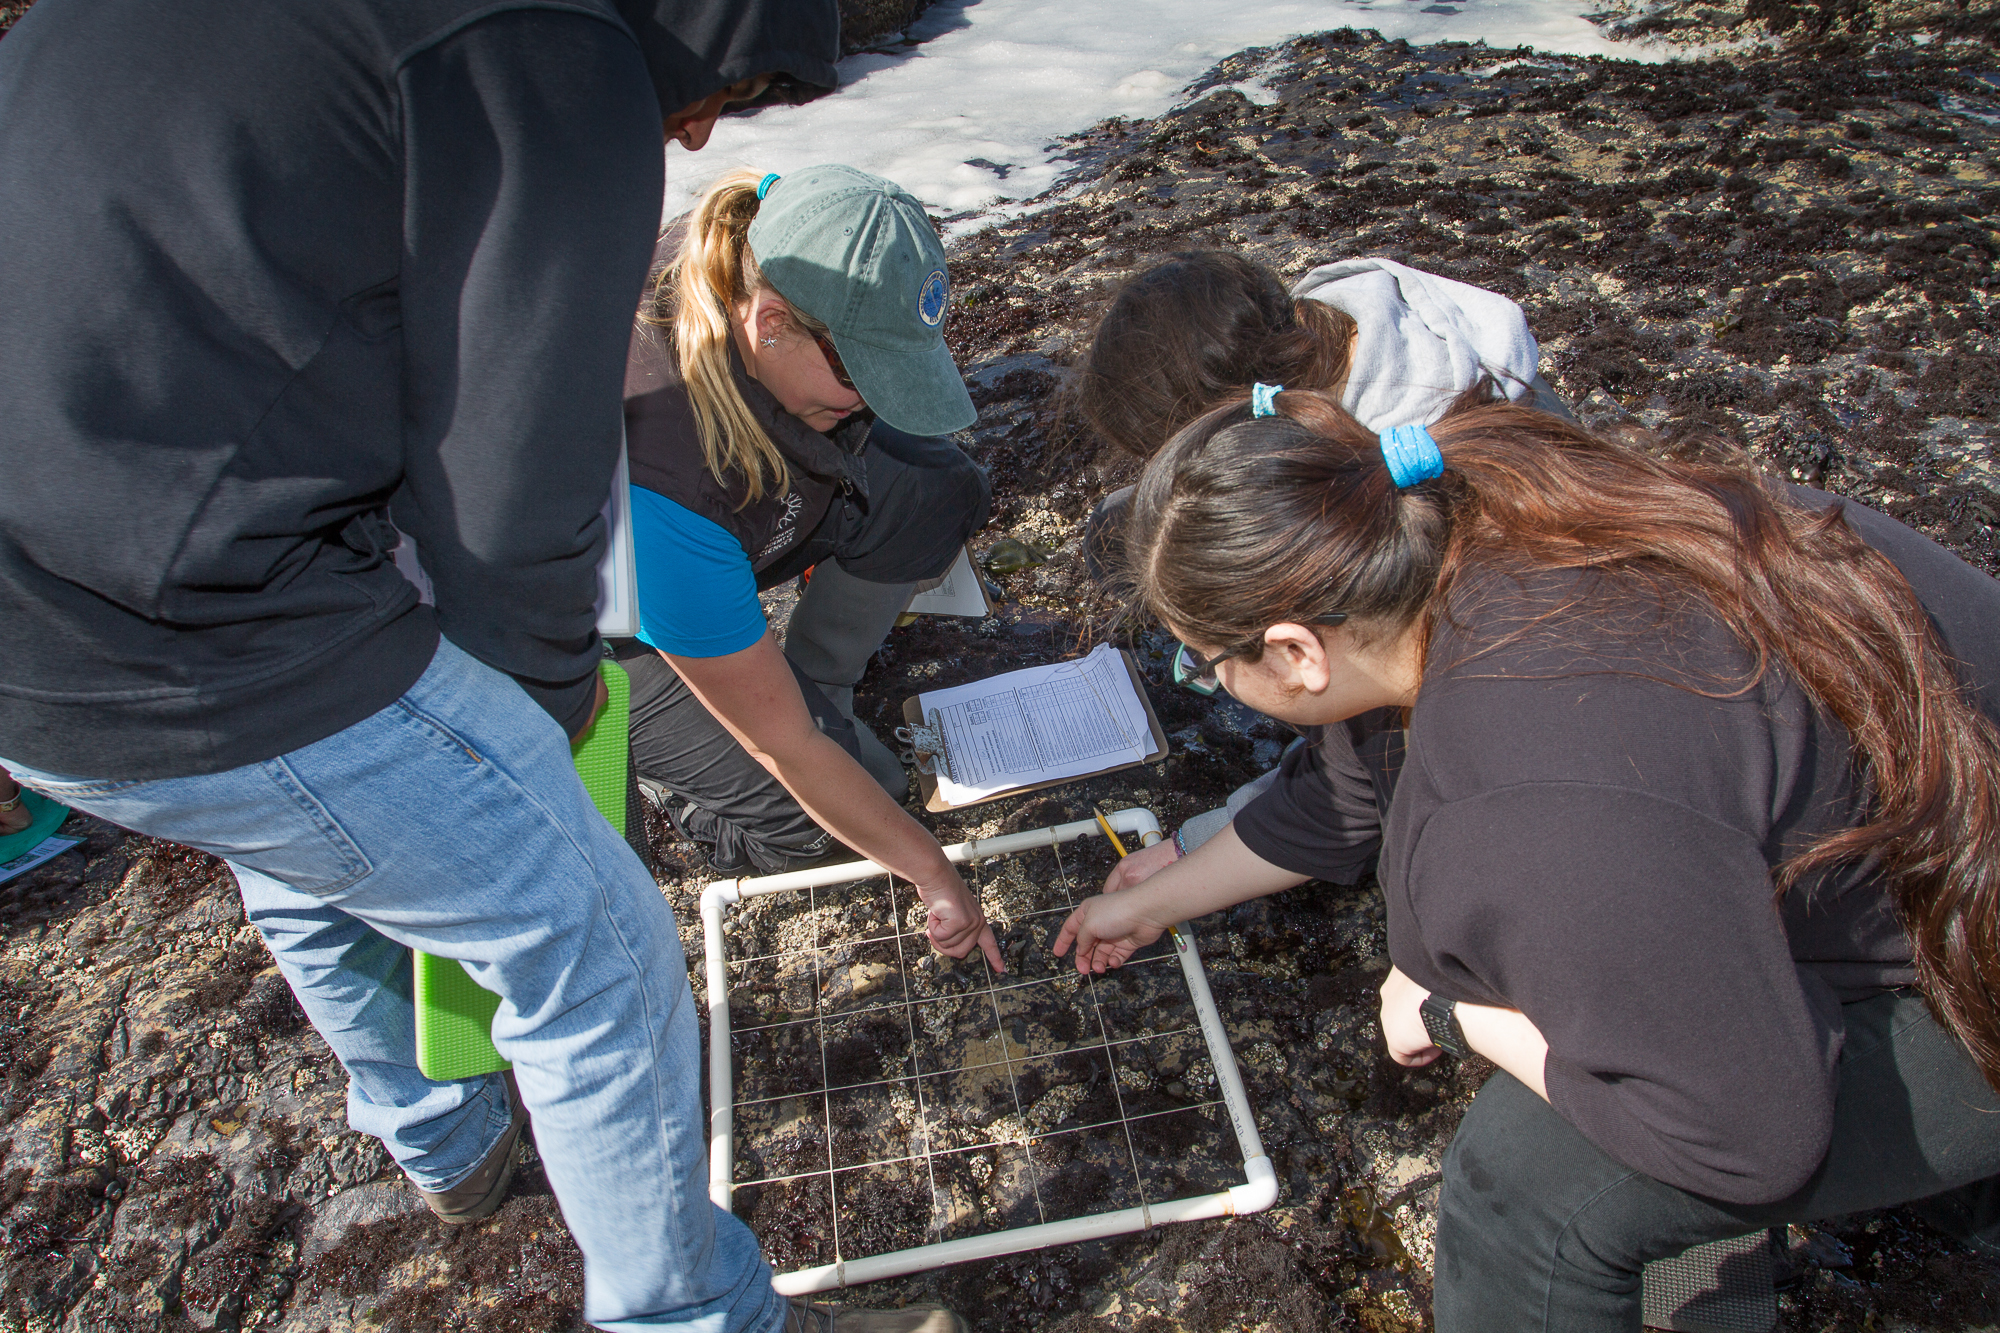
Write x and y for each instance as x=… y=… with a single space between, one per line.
x=768 y=342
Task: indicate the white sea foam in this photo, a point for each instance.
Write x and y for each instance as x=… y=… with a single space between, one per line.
x=968 y=121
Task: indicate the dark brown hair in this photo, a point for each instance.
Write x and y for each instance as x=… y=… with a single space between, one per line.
x=1189 y=332
x=1243 y=523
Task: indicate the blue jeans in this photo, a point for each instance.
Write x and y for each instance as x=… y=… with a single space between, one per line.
x=453 y=822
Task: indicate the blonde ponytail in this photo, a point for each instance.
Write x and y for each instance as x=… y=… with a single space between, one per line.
x=696 y=297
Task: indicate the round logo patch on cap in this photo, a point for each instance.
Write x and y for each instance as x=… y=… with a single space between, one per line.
x=931 y=300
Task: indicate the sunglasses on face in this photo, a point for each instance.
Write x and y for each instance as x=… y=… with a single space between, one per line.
x=832 y=360
x=1198 y=674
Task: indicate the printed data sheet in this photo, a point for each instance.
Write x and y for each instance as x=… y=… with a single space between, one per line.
x=1040 y=724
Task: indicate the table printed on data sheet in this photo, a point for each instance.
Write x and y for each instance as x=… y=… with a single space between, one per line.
x=1039 y=725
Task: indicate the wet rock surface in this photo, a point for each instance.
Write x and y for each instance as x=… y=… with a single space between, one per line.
x=865 y=24
x=1792 y=250
x=1791 y=243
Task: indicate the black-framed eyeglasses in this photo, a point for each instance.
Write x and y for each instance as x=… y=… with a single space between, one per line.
x=1199 y=675
x=832 y=359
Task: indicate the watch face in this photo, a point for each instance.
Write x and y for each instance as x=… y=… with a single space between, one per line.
x=1441 y=1022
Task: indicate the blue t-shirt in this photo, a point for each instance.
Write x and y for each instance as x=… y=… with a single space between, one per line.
x=697 y=592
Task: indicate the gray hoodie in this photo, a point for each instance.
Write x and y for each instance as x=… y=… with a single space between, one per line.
x=1422 y=339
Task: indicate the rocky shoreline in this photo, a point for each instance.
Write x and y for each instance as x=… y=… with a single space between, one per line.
x=1787 y=237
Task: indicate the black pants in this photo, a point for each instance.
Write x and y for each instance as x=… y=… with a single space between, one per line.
x=729 y=800
x=1538 y=1230
x=925 y=497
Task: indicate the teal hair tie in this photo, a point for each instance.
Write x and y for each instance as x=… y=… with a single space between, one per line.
x=764 y=186
x=1264 y=399
x=1412 y=455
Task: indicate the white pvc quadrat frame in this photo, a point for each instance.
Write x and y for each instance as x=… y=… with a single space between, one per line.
x=1258 y=1191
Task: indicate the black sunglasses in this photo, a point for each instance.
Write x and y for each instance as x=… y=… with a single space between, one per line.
x=832 y=360
x=1199 y=675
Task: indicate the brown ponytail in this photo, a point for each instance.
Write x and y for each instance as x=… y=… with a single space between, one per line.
x=1189 y=332
x=1242 y=523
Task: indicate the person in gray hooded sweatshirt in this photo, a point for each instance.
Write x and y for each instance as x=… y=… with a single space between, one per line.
x=278 y=275
x=1397 y=344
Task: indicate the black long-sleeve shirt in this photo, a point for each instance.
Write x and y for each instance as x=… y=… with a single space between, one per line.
x=270 y=273
x=1563 y=831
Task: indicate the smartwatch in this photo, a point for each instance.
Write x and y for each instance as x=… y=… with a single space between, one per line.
x=1441 y=1022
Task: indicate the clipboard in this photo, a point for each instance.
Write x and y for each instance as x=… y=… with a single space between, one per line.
x=927 y=783
x=617 y=572
x=973 y=597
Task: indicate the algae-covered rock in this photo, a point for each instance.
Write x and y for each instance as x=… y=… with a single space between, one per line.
x=1011 y=555
x=1788 y=241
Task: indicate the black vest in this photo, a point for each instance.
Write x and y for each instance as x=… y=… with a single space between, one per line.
x=665 y=452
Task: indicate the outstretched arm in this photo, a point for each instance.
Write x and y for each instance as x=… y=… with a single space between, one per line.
x=754 y=695
x=1222 y=872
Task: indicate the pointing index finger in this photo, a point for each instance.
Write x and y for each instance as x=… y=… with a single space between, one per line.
x=1065 y=937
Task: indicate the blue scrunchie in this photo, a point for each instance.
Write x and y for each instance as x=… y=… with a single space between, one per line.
x=764 y=186
x=1412 y=455
x=1264 y=399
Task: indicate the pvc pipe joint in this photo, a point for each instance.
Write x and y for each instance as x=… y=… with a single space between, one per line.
x=1259 y=1192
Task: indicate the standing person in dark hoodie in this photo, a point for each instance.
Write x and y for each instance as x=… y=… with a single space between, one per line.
x=277 y=275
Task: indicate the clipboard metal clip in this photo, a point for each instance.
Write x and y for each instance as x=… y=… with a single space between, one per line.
x=927 y=749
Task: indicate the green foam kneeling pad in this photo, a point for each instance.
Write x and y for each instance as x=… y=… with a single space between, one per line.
x=454 y=1013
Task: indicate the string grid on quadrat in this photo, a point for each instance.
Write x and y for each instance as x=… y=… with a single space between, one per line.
x=878 y=1109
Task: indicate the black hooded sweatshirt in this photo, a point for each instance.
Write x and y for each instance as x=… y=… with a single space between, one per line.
x=272 y=274
x=1580 y=822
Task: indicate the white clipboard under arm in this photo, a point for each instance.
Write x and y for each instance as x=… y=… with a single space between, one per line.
x=617 y=572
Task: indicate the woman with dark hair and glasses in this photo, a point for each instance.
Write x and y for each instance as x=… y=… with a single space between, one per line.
x=1394 y=344
x=784 y=403
x=1682 y=786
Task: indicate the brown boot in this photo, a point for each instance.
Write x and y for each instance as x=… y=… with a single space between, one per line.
x=479 y=1194
x=804 y=1317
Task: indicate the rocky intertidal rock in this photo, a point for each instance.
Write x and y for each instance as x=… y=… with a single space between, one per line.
x=1793 y=250
x=1787 y=237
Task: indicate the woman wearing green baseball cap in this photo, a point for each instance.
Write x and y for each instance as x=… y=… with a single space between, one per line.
x=787 y=393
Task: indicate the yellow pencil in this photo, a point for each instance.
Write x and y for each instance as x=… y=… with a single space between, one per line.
x=1109 y=832
x=1119 y=847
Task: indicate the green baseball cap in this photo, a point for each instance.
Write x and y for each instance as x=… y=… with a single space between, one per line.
x=856 y=253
